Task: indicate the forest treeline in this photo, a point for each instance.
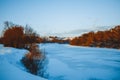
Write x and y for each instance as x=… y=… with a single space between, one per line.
x=54 y=39
x=14 y=35
x=18 y=36
x=23 y=36
x=109 y=38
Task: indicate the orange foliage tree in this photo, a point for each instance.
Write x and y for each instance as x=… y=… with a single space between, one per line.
x=13 y=36
x=18 y=36
x=109 y=38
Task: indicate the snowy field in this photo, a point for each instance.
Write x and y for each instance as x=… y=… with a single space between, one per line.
x=81 y=63
x=65 y=62
x=10 y=66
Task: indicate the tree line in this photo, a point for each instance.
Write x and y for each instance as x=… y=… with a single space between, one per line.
x=54 y=39
x=109 y=38
x=18 y=36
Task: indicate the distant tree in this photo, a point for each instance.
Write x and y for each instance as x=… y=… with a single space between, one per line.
x=13 y=36
x=30 y=36
x=8 y=25
x=18 y=36
x=74 y=41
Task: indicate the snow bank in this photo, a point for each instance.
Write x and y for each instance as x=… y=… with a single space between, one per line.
x=11 y=67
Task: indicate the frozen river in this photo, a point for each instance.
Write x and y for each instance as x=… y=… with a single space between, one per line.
x=67 y=62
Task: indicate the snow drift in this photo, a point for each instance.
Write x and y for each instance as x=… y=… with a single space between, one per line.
x=10 y=66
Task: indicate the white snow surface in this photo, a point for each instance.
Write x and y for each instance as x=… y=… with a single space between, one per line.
x=10 y=66
x=81 y=63
x=65 y=62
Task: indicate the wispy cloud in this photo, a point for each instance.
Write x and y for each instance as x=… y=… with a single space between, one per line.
x=79 y=32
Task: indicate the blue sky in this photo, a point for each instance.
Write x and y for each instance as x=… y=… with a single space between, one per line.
x=60 y=16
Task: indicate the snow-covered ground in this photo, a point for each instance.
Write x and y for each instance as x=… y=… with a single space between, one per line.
x=65 y=62
x=81 y=63
x=11 y=67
